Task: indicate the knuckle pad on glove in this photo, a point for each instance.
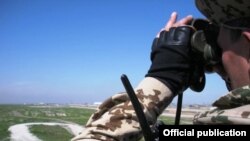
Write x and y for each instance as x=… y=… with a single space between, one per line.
x=171 y=58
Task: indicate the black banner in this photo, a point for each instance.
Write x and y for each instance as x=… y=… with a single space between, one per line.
x=200 y=132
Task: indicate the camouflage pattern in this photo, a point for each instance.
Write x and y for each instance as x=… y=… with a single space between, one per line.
x=115 y=119
x=233 y=108
x=221 y=11
x=235 y=98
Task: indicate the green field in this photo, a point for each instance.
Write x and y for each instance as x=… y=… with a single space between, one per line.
x=44 y=132
x=15 y=114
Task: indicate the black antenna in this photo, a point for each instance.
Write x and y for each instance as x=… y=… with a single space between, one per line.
x=146 y=130
x=178 y=110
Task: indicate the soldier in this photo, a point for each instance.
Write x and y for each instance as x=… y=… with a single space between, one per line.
x=171 y=71
x=233 y=17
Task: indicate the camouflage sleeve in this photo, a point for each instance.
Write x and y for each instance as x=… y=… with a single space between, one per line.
x=239 y=115
x=116 y=120
x=233 y=108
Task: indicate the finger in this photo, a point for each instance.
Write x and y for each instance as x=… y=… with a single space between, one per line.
x=185 y=21
x=171 y=21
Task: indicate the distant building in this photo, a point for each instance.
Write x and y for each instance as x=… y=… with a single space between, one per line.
x=97 y=103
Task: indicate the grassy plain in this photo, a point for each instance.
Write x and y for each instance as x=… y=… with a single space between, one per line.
x=15 y=114
x=50 y=133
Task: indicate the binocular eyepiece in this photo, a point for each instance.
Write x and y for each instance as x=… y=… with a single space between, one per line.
x=204 y=44
x=205 y=51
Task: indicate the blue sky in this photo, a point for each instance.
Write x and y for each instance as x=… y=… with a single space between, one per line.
x=74 y=51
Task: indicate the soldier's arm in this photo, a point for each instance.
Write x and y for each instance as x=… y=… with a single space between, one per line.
x=116 y=119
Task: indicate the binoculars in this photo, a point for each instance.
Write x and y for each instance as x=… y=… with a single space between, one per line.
x=205 y=51
x=204 y=44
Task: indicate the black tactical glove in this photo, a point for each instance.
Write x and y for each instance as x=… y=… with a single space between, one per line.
x=171 y=58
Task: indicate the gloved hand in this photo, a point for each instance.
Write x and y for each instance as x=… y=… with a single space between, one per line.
x=171 y=58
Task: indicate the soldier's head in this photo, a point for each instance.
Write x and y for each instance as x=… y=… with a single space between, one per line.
x=233 y=18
